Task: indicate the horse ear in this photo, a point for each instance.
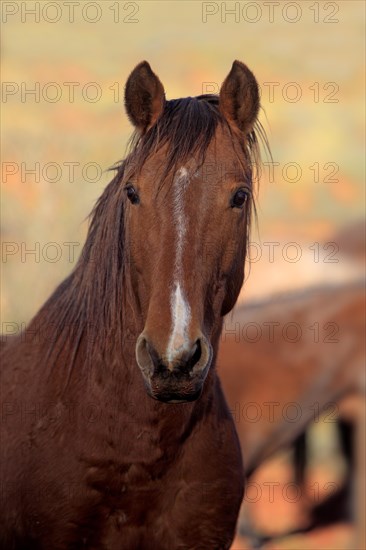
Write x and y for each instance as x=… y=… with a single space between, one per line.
x=239 y=97
x=144 y=97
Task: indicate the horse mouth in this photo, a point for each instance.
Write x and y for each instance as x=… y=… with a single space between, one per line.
x=172 y=397
x=167 y=392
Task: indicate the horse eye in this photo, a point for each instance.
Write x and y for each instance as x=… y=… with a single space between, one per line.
x=239 y=198
x=132 y=194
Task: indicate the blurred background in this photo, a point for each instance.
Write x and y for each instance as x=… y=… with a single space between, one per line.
x=63 y=125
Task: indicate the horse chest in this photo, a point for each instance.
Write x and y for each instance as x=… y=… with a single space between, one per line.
x=127 y=504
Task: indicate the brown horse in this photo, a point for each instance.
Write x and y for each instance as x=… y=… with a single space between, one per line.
x=116 y=433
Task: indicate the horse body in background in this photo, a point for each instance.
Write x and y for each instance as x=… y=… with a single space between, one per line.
x=116 y=433
x=286 y=361
x=309 y=348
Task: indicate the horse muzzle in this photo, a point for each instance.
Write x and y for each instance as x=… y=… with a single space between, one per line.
x=177 y=380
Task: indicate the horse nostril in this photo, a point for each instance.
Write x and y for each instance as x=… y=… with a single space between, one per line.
x=203 y=354
x=199 y=357
x=146 y=356
x=154 y=356
x=194 y=355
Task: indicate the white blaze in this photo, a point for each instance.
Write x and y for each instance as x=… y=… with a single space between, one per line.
x=181 y=315
x=180 y=184
x=180 y=310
